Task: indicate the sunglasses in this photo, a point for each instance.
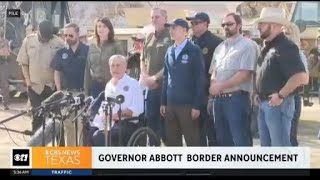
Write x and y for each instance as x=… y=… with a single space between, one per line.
x=227 y=24
x=68 y=35
x=194 y=23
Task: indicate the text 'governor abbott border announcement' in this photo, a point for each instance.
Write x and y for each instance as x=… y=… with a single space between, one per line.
x=200 y=158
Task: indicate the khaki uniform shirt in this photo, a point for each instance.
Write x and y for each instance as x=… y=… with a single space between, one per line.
x=155 y=49
x=97 y=66
x=38 y=56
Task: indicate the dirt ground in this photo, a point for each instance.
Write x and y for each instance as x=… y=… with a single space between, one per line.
x=308 y=130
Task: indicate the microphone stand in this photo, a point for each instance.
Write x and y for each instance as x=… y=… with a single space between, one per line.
x=84 y=122
x=53 y=130
x=76 y=125
x=120 y=128
x=54 y=116
x=86 y=126
x=108 y=123
x=41 y=114
x=37 y=109
x=13 y=117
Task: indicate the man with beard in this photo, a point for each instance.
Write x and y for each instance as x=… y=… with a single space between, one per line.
x=35 y=55
x=69 y=65
x=281 y=73
x=232 y=68
x=208 y=43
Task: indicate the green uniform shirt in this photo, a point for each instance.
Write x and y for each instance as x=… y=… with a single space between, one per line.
x=97 y=66
x=155 y=50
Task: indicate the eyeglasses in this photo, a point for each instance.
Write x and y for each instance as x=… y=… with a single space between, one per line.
x=227 y=24
x=194 y=23
x=68 y=35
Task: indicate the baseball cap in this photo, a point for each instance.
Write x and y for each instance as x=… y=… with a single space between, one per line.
x=46 y=29
x=178 y=22
x=138 y=36
x=200 y=16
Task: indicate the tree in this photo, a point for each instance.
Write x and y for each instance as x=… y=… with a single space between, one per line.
x=154 y=4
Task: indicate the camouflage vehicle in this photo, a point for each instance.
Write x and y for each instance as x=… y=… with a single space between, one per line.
x=124 y=35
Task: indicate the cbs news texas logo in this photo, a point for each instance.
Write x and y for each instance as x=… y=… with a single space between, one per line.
x=20 y=158
x=51 y=157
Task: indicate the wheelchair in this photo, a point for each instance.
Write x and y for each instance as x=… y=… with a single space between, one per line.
x=141 y=135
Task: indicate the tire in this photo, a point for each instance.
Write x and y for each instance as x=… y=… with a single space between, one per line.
x=143 y=136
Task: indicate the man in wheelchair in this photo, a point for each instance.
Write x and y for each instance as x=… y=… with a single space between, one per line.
x=133 y=105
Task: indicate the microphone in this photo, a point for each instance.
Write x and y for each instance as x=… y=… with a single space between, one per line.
x=57 y=96
x=111 y=100
x=96 y=99
x=88 y=100
x=78 y=100
x=119 y=99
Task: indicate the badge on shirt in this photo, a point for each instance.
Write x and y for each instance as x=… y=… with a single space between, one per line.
x=205 y=50
x=166 y=40
x=185 y=58
x=64 y=56
x=126 y=88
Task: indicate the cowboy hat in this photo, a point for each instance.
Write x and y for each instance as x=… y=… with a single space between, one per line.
x=272 y=15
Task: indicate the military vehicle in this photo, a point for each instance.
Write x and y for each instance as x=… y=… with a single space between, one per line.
x=124 y=36
x=305 y=14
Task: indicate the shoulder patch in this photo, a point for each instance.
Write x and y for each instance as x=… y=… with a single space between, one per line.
x=205 y=50
x=64 y=56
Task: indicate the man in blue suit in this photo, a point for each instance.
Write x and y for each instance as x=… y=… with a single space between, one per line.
x=183 y=92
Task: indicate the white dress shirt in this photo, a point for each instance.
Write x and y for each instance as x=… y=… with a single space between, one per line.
x=133 y=98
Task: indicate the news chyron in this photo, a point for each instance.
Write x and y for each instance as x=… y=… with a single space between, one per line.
x=99 y=161
x=50 y=161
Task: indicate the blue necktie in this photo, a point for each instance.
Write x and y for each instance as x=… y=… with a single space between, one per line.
x=173 y=53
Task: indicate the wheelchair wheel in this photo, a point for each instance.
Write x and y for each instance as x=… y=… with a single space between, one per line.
x=144 y=137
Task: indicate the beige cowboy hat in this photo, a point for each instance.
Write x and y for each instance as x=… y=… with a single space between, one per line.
x=272 y=15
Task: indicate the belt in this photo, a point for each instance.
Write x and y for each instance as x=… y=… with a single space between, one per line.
x=75 y=90
x=234 y=93
x=264 y=97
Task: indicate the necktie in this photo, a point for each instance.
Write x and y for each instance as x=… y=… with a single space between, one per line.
x=173 y=53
